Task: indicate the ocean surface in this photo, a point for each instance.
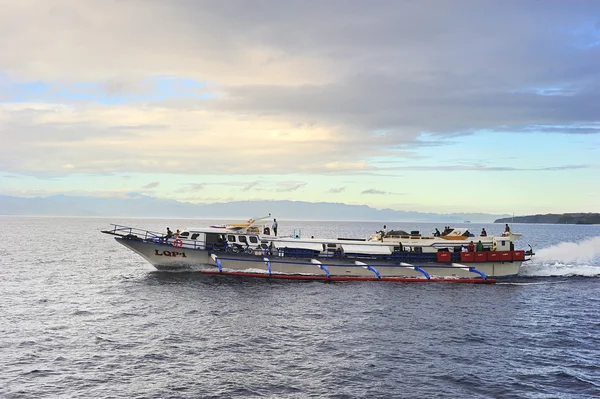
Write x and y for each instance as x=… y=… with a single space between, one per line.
x=83 y=317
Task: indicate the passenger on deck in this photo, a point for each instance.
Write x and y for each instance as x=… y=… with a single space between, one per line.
x=506 y=229
x=437 y=233
x=483 y=233
x=169 y=234
x=275 y=227
x=479 y=247
x=465 y=249
x=221 y=243
x=471 y=247
x=177 y=233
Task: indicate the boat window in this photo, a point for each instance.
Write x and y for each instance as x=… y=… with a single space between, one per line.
x=231 y=238
x=212 y=239
x=242 y=239
x=331 y=245
x=253 y=239
x=195 y=235
x=184 y=234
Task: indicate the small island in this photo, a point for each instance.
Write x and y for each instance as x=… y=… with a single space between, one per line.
x=555 y=218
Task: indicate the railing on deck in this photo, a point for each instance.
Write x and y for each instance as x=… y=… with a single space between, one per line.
x=132 y=233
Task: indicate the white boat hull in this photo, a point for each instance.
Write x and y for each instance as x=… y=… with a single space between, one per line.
x=166 y=257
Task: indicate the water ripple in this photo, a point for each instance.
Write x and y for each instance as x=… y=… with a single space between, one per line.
x=87 y=318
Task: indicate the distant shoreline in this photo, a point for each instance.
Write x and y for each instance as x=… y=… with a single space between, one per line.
x=555 y=218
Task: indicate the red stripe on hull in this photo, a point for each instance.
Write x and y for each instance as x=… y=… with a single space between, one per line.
x=355 y=278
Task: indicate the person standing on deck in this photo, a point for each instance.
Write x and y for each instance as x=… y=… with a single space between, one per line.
x=479 y=247
x=275 y=227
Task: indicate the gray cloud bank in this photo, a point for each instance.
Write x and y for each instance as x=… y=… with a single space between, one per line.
x=375 y=73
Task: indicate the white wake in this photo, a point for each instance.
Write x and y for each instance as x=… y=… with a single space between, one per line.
x=566 y=259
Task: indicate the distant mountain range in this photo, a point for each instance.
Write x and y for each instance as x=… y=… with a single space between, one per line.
x=555 y=218
x=137 y=205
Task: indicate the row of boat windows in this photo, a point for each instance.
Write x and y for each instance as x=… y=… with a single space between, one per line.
x=254 y=240
x=185 y=234
x=243 y=239
x=230 y=238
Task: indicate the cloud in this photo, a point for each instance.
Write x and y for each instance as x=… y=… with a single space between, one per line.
x=564 y=167
x=125 y=193
x=250 y=186
x=288 y=187
x=375 y=192
x=481 y=168
x=72 y=44
x=151 y=185
x=181 y=86
x=42 y=140
x=573 y=129
x=337 y=190
x=346 y=166
x=192 y=187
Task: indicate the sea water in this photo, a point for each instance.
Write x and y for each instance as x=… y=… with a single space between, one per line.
x=83 y=317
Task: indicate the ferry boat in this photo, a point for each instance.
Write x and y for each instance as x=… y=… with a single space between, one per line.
x=251 y=249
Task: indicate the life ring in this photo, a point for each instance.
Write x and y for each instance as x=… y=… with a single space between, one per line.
x=178 y=243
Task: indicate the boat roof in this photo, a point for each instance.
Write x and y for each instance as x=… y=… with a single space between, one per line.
x=455 y=234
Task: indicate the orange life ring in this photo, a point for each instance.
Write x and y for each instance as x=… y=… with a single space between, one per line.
x=178 y=243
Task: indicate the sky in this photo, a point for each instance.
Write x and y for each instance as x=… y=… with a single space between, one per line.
x=434 y=106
